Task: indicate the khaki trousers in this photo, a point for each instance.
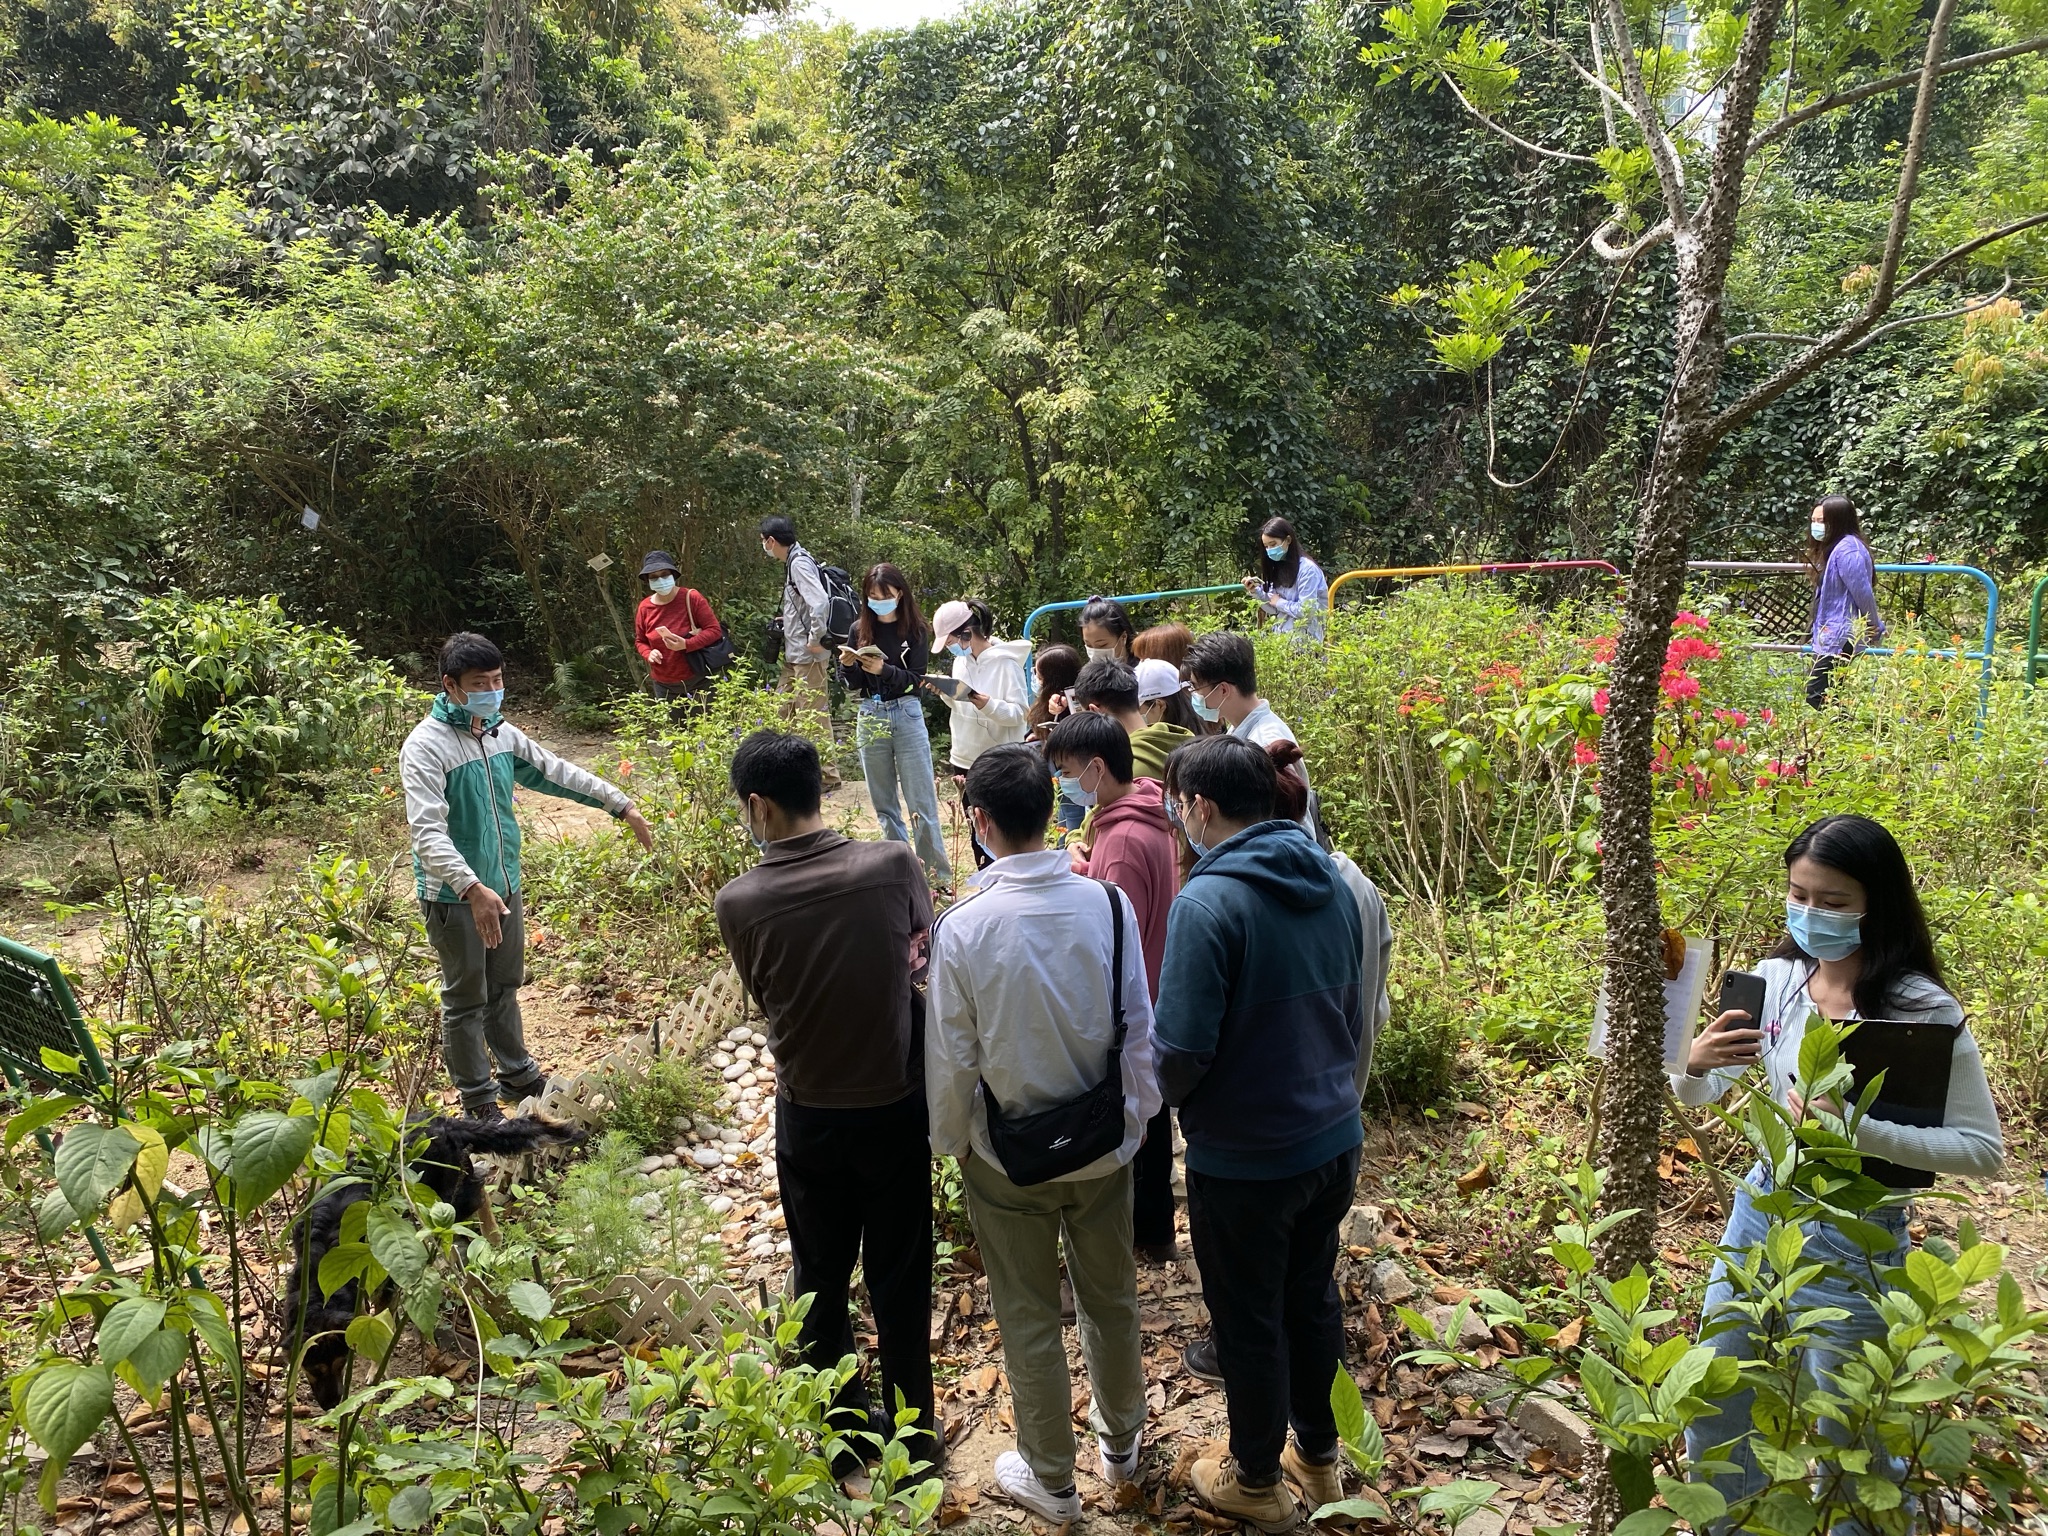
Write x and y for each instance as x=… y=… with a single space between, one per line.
x=810 y=704
x=1020 y=1231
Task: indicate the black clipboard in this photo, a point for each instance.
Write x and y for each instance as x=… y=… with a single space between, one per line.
x=1915 y=1057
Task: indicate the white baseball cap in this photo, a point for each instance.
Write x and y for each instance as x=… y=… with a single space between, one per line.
x=950 y=617
x=1157 y=680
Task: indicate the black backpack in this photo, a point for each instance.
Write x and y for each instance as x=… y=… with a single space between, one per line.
x=841 y=607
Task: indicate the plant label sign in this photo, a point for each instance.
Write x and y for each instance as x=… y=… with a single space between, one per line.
x=1682 y=999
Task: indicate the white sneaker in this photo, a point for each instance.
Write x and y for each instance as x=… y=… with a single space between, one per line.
x=1118 y=1470
x=1021 y=1485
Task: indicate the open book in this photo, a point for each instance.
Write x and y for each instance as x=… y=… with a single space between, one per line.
x=951 y=687
x=1682 y=996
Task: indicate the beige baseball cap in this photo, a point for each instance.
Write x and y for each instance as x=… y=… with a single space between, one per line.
x=951 y=616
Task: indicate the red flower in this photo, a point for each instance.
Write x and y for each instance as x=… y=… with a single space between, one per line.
x=1727 y=744
x=1584 y=754
x=1688 y=648
x=1685 y=618
x=1602 y=647
x=1678 y=685
x=1599 y=701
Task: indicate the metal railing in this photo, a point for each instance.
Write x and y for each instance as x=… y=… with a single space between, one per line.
x=2034 y=632
x=1982 y=656
x=1134 y=597
x=1507 y=568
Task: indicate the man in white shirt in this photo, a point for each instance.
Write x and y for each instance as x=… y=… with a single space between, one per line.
x=1022 y=1010
x=1223 y=676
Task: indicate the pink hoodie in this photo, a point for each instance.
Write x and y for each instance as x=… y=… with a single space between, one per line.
x=1133 y=850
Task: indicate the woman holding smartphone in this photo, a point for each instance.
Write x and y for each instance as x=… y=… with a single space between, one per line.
x=895 y=748
x=1856 y=947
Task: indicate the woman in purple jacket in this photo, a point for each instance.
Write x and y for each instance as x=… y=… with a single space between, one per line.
x=1844 y=572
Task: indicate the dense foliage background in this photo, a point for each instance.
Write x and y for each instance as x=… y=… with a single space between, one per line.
x=407 y=312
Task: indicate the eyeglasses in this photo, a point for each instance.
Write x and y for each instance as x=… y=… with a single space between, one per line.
x=1173 y=814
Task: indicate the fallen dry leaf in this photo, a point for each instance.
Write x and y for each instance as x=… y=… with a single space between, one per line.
x=1474 y=1180
x=1568 y=1335
x=1441 y=1445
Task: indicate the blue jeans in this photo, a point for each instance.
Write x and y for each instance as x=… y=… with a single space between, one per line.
x=1731 y=1419
x=895 y=750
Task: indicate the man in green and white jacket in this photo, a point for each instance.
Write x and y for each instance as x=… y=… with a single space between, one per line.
x=459 y=766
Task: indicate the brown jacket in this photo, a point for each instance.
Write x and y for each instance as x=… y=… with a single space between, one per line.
x=823 y=932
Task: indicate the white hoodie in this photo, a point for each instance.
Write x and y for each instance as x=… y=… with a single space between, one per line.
x=997 y=672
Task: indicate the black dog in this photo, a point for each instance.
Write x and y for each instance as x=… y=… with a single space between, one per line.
x=444 y=1166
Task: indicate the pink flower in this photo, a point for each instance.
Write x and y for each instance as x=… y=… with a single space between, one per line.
x=1677 y=685
x=1599 y=701
x=1685 y=618
x=1690 y=648
x=1584 y=754
x=1727 y=744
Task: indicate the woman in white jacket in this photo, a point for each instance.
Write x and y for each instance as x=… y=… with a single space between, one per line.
x=1856 y=947
x=991 y=711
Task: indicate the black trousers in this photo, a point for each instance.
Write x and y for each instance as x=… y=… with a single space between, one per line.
x=1267 y=1249
x=1152 y=1184
x=1822 y=674
x=857 y=1184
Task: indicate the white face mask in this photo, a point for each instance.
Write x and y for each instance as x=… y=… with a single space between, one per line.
x=1102 y=653
x=1819 y=530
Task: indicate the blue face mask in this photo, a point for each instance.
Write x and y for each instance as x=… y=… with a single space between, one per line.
x=882 y=607
x=1824 y=934
x=484 y=702
x=1276 y=554
x=1203 y=710
x=958 y=650
x=1200 y=850
x=1071 y=788
x=663 y=584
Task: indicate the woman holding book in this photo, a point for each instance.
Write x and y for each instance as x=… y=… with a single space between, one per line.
x=885 y=666
x=1856 y=947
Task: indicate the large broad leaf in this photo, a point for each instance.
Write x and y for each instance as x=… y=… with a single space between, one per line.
x=53 y=1215
x=210 y=1322
x=410 y=1507
x=267 y=1150
x=92 y=1160
x=127 y=1324
x=532 y=1302
x=64 y=1404
x=396 y=1245
x=154 y=1361
x=38 y=1115
x=369 y=1335
x=152 y=1162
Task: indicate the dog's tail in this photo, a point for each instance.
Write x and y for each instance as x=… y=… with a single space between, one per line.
x=505 y=1137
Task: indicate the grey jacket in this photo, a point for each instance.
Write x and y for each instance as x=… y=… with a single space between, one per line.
x=803 y=607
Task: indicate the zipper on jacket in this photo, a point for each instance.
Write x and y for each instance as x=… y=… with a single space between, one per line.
x=497 y=827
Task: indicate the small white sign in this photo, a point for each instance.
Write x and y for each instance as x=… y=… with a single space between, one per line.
x=599 y=563
x=1682 y=999
x=309 y=519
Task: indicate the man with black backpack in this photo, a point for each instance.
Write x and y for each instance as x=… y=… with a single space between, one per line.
x=815 y=618
x=1038 y=1071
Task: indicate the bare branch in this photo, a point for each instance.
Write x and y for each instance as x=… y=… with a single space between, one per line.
x=1746 y=336
x=1720 y=207
x=1597 y=78
x=1839 y=99
x=1670 y=175
x=1654 y=236
x=1928 y=319
x=1513 y=138
x=1970 y=248
x=1881 y=291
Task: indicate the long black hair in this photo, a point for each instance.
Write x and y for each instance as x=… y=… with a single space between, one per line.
x=1896 y=943
x=1287 y=569
x=905 y=619
x=1057 y=666
x=1107 y=613
x=1838 y=513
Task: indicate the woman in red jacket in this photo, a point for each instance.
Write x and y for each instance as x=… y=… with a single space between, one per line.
x=674 y=624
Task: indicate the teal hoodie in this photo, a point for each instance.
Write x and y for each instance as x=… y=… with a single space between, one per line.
x=458 y=798
x=1260 y=1018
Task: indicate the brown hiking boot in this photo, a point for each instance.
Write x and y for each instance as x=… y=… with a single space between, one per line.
x=1271 y=1509
x=1320 y=1482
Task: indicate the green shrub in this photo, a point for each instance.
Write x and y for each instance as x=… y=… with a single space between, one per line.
x=593 y=1210
x=1415 y=1061
x=645 y=1105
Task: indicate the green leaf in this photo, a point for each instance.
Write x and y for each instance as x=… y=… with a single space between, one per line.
x=92 y=1160
x=369 y=1335
x=1348 y=1404
x=64 y=1404
x=154 y=1361
x=410 y=1507
x=210 y=1322
x=266 y=1150
x=396 y=1245
x=38 y=1115
x=1696 y=1503
x=54 y=1215
x=127 y=1324
x=1454 y=1503
x=1931 y=1277
x=1362 y=1507
x=1646 y=1522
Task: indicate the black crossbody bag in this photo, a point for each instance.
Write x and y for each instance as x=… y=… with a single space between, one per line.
x=1036 y=1149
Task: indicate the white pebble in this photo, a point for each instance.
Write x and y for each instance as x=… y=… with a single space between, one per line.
x=684 y=1125
x=736 y=1071
x=651 y=1163
x=747 y=1079
x=669 y=1160
x=783 y=1246
x=767 y=1057
x=720 y=1060
x=761 y=1143
x=757 y=1038
x=745 y=1053
x=706 y=1157
x=718 y=1205
x=730 y=1159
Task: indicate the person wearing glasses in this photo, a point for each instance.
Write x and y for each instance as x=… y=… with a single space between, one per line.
x=990 y=713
